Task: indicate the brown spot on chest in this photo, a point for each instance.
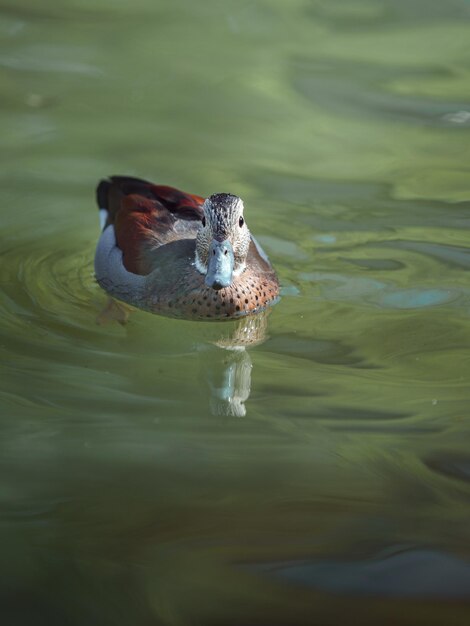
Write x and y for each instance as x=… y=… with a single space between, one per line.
x=244 y=297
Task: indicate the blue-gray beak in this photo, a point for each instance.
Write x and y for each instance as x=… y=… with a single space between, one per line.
x=220 y=265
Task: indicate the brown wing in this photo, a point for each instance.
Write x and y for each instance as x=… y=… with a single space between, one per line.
x=146 y=216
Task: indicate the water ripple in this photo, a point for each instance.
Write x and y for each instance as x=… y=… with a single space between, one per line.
x=328 y=84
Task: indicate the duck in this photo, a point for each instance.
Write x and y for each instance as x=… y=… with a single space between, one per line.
x=178 y=254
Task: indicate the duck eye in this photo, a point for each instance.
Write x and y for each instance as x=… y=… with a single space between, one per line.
x=203 y=221
x=241 y=221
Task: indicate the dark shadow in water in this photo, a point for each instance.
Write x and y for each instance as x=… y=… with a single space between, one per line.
x=450 y=464
x=415 y=573
x=366 y=206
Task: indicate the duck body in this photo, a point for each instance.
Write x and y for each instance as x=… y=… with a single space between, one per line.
x=178 y=255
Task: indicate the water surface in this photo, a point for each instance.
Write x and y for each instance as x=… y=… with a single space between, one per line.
x=150 y=476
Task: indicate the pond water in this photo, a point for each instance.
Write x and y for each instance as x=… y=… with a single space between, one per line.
x=150 y=476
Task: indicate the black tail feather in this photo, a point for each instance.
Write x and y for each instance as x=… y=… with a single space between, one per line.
x=125 y=184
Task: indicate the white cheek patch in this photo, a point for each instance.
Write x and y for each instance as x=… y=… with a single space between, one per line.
x=103 y=217
x=239 y=269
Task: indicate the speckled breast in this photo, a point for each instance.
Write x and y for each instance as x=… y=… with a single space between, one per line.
x=248 y=294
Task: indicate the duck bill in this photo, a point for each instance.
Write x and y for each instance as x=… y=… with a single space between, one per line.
x=220 y=265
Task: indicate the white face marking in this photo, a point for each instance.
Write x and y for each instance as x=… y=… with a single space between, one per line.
x=239 y=270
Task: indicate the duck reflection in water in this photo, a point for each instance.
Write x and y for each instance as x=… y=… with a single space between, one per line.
x=229 y=375
x=178 y=255
x=223 y=352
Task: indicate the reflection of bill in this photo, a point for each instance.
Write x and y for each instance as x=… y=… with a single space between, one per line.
x=228 y=370
x=230 y=383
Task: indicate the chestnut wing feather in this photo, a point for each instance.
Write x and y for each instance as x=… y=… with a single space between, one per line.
x=147 y=216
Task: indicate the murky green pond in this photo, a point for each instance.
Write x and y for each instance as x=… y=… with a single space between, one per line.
x=148 y=475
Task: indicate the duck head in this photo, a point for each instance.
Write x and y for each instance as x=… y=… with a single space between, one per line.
x=222 y=241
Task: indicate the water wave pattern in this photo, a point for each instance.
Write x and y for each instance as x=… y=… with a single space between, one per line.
x=148 y=465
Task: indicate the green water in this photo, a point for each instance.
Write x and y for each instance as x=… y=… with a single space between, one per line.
x=131 y=489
